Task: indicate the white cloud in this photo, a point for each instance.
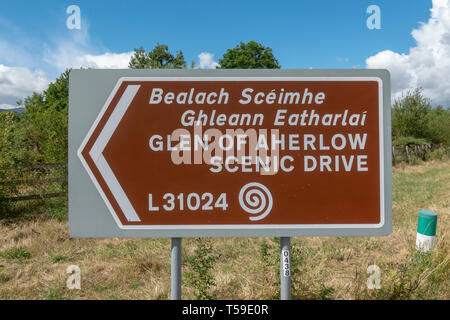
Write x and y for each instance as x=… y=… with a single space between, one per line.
x=427 y=65
x=61 y=53
x=79 y=51
x=7 y=106
x=17 y=83
x=104 y=61
x=207 y=61
x=20 y=76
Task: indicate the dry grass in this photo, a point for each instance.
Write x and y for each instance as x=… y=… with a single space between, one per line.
x=35 y=253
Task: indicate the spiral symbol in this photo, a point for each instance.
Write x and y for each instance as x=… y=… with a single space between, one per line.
x=255 y=198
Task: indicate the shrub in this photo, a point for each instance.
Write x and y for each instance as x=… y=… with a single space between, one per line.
x=16 y=253
x=414 y=118
x=201 y=263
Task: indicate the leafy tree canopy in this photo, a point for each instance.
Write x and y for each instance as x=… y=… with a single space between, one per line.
x=413 y=116
x=439 y=125
x=40 y=133
x=251 y=55
x=409 y=115
x=158 y=58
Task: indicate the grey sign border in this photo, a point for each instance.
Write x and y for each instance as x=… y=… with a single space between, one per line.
x=89 y=217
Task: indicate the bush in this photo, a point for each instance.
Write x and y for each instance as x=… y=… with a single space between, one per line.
x=201 y=263
x=438 y=154
x=414 y=118
x=410 y=115
x=16 y=253
x=38 y=135
x=439 y=125
x=3 y=204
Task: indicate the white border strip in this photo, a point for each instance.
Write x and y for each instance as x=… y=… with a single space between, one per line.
x=96 y=153
x=122 y=199
x=113 y=121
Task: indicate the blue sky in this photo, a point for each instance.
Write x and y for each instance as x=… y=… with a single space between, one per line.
x=302 y=34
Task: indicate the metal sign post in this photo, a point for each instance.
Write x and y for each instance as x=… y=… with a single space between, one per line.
x=175 y=293
x=285 y=268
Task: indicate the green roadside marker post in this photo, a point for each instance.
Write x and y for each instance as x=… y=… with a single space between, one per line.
x=426 y=230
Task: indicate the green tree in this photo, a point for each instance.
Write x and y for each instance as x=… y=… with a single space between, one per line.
x=251 y=55
x=40 y=133
x=439 y=125
x=413 y=119
x=158 y=58
x=45 y=121
x=57 y=94
x=410 y=115
x=139 y=60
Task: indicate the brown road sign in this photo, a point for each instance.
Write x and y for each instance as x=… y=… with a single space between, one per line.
x=241 y=153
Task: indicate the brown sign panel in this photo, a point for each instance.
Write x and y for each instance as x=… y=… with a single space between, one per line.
x=240 y=152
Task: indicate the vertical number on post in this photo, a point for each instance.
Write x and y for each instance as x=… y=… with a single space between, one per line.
x=286 y=263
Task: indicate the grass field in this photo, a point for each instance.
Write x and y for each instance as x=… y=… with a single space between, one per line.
x=35 y=251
